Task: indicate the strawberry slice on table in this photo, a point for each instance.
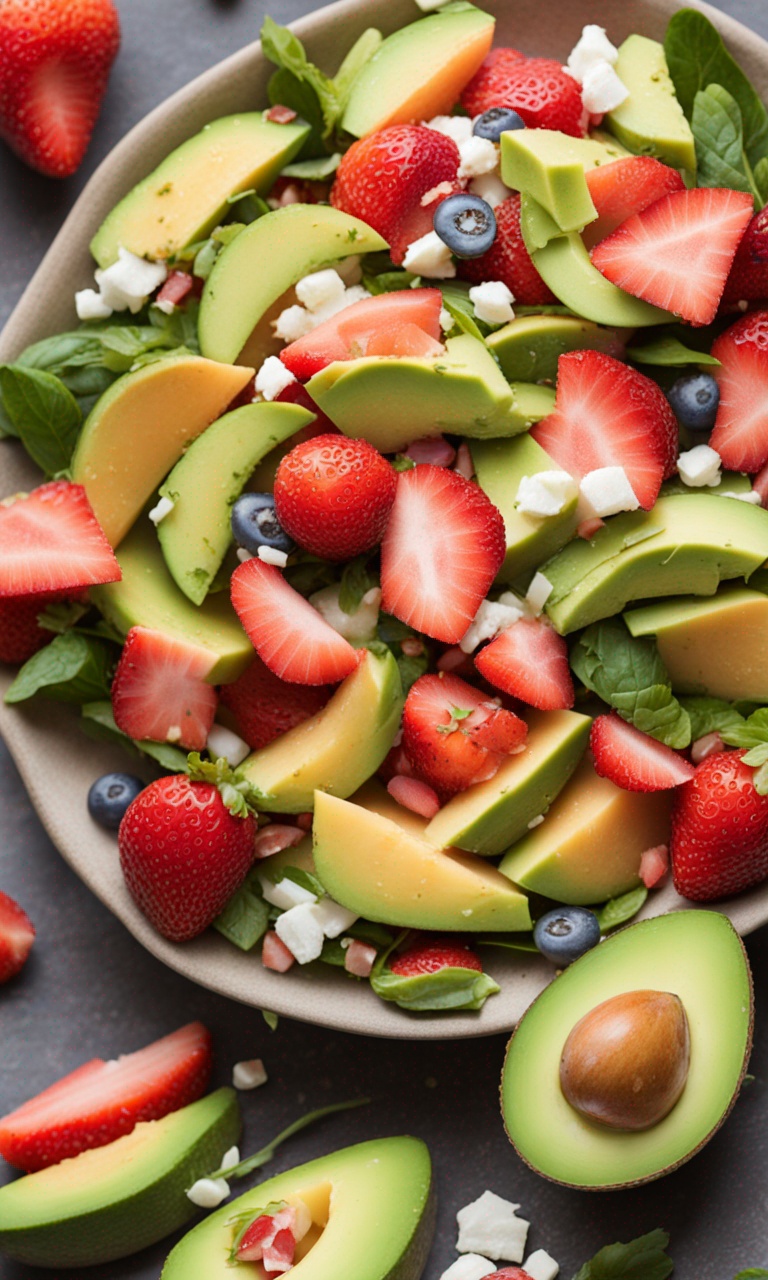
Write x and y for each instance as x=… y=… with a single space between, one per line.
x=434 y=955
x=51 y=541
x=443 y=547
x=17 y=933
x=607 y=415
x=376 y=326
x=633 y=760
x=740 y=433
x=624 y=188
x=748 y=278
x=678 y=252
x=290 y=637
x=263 y=707
x=101 y=1101
x=529 y=661
x=508 y=259
x=159 y=691
x=454 y=735
x=55 y=58
x=538 y=89
x=719 y=842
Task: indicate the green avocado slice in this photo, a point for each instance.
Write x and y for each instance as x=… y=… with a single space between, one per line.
x=696 y=955
x=651 y=121
x=550 y=166
x=529 y=347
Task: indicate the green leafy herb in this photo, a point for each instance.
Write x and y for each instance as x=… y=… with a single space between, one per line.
x=617 y=911
x=309 y=574
x=99 y=722
x=641 y=1259
x=232 y=788
x=313 y=170
x=390 y=282
x=246 y=208
x=446 y=989
x=393 y=631
x=457 y=303
x=376 y=935
x=72 y=668
x=752 y=733
x=668 y=351
x=266 y=1153
x=507 y=941
x=245 y=1220
x=43 y=413
x=403 y=463
x=245 y=918
x=411 y=667
x=356 y=581
x=710 y=715
x=717 y=130
x=457 y=715
x=270 y=1018
x=752 y=1273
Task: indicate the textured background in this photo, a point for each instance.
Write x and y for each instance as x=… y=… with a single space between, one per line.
x=91 y=990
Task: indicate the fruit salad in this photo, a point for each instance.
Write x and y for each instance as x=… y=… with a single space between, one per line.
x=404 y=501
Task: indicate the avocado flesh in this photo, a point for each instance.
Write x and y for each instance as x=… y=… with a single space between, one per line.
x=717 y=647
x=419 y=71
x=374 y=857
x=373 y=1213
x=499 y=467
x=264 y=260
x=337 y=748
x=651 y=121
x=529 y=347
x=730 y=482
x=115 y=1200
x=550 y=167
x=489 y=816
x=207 y=481
x=589 y=845
x=139 y=429
x=147 y=596
x=184 y=198
x=391 y=401
x=696 y=955
x=684 y=544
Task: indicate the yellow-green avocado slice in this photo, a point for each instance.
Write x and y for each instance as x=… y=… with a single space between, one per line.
x=373 y=1212
x=684 y=544
x=651 y=121
x=696 y=955
x=550 y=166
x=115 y=1200
x=374 y=857
x=529 y=347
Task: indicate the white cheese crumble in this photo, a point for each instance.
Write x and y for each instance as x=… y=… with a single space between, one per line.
x=296 y=321
x=606 y=491
x=273 y=555
x=490 y=1226
x=162 y=508
x=272 y=378
x=129 y=281
x=477 y=156
x=286 y=894
x=490 y=188
x=230 y=1158
x=470 y=1267
x=593 y=46
x=699 y=466
x=300 y=930
x=292 y=324
x=750 y=495
x=492 y=301
x=536 y=822
x=315 y=290
x=223 y=744
x=360 y=625
x=491 y=618
x=545 y=494
x=430 y=256
x=249 y=1074
x=541 y=1266
x=208 y=1193
x=538 y=593
x=602 y=90
x=90 y=305
x=446 y=320
x=457 y=127
x=333 y=918
x=165 y=305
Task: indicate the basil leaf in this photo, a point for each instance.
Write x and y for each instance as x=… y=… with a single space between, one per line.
x=361 y=52
x=72 y=668
x=710 y=715
x=245 y=918
x=376 y=935
x=668 y=351
x=300 y=80
x=44 y=414
x=617 y=911
x=99 y=723
x=389 y=281
x=718 y=134
x=392 y=630
x=356 y=581
x=641 y=1259
x=449 y=988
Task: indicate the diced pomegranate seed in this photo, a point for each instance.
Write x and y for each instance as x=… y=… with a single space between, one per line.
x=434 y=449
x=280 y=114
x=414 y=795
x=706 y=746
x=176 y=287
x=588 y=528
x=412 y=648
x=274 y=953
x=278 y=1256
x=359 y=959
x=304 y=820
x=464 y=464
x=654 y=865
x=274 y=838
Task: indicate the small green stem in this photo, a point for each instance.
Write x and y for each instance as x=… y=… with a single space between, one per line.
x=265 y=1155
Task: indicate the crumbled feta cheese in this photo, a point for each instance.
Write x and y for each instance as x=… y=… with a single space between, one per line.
x=478 y=156
x=333 y=918
x=491 y=618
x=174 y=733
x=90 y=305
x=292 y=324
x=249 y=1074
x=446 y=320
x=602 y=90
x=457 y=127
x=208 y=1193
x=430 y=256
x=350 y=296
x=161 y=509
x=470 y=1267
x=699 y=466
x=301 y=932
x=490 y=188
x=536 y=822
x=273 y=555
x=492 y=301
x=545 y=494
x=541 y=1266
x=318 y=288
x=605 y=491
x=223 y=744
x=593 y=46
x=165 y=305
x=538 y=593
x=490 y=1226
x=244 y=554
x=750 y=495
x=129 y=281
x=360 y=625
x=230 y=1158
x=286 y=894
x=272 y=378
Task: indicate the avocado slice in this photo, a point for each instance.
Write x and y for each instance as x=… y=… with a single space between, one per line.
x=500 y=466
x=651 y=121
x=717 y=646
x=206 y=482
x=489 y=816
x=529 y=347
x=684 y=544
x=336 y=749
x=419 y=71
x=696 y=955
x=588 y=847
x=373 y=1212
x=264 y=261
x=140 y=427
x=115 y=1200
x=375 y=857
x=391 y=401
x=184 y=198
x=147 y=596
x=550 y=167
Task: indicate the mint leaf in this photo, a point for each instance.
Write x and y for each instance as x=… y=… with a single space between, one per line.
x=266 y=1153
x=668 y=351
x=99 y=723
x=43 y=413
x=72 y=668
x=641 y=1259
x=356 y=580
x=710 y=715
x=718 y=134
x=617 y=911
x=245 y=918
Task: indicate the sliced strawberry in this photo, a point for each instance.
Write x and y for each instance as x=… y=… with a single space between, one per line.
x=677 y=253
x=413 y=794
x=633 y=760
x=719 y=842
x=274 y=953
x=264 y=707
x=538 y=89
x=176 y=288
x=380 y=326
x=530 y=661
x=160 y=692
x=431 y=957
x=17 y=933
x=740 y=435
x=748 y=277
x=20 y=634
x=52 y=541
x=626 y=187
x=508 y=259
x=654 y=865
x=608 y=415
x=101 y=1101
x=291 y=637
x=443 y=547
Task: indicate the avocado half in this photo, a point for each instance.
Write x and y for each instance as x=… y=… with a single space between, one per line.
x=696 y=955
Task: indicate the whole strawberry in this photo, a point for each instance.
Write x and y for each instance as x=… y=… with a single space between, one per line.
x=430 y=957
x=508 y=259
x=538 y=89
x=719 y=842
x=17 y=933
x=183 y=854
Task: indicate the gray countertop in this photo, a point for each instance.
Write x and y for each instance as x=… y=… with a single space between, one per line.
x=90 y=990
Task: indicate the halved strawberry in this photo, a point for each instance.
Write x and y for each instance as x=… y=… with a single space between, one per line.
x=370 y=327
x=607 y=415
x=291 y=637
x=17 y=933
x=748 y=277
x=442 y=549
x=263 y=707
x=530 y=661
x=626 y=187
x=159 y=691
x=454 y=735
x=740 y=435
x=539 y=89
x=633 y=760
x=508 y=259
x=50 y=540
x=677 y=253
x=101 y=1101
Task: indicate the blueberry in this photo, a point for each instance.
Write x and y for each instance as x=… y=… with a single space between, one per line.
x=497 y=120
x=694 y=399
x=110 y=796
x=566 y=933
x=255 y=524
x=466 y=224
